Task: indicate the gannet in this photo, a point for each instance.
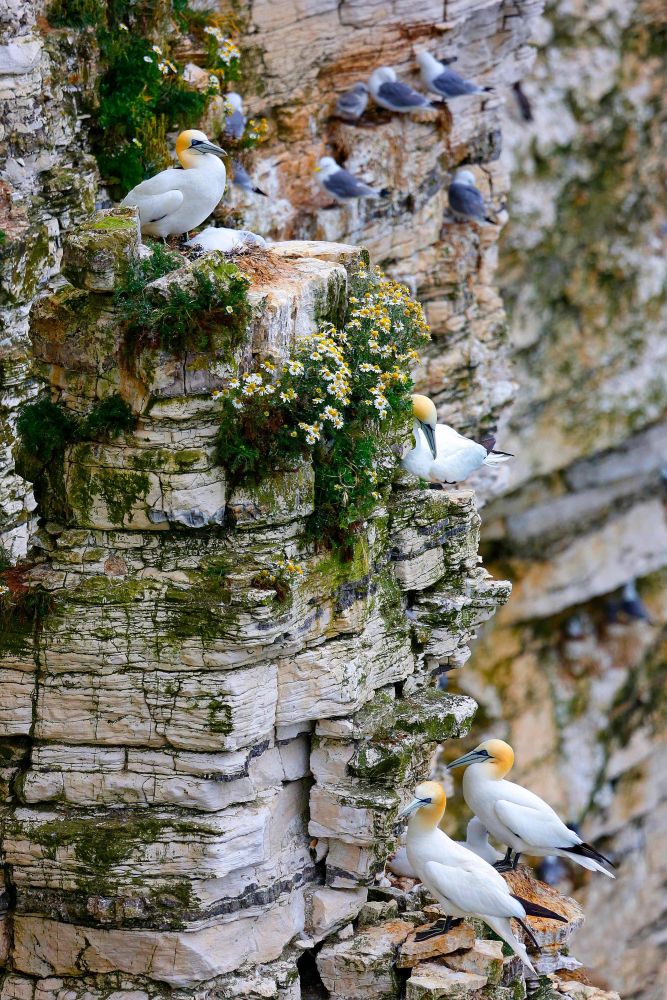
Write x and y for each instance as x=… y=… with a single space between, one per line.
x=477 y=841
x=176 y=201
x=389 y=93
x=464 y=884
x=516 y=817
x=234 y=123
x=352 y=103
x=226 y=240
x=442 y=455
x=342 y=185
x=465 y=201
x=442 y=80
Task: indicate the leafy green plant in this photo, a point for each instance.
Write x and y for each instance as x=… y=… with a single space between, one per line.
x=107 y=419
x=142 y=92
x=208 y=311
x=46 y=428
x=339 y=398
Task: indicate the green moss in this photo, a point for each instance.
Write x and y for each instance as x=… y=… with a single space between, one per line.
x=121 y=491
x=112 y=224
x=219 y=717
x=207 y=311
x=141 y=93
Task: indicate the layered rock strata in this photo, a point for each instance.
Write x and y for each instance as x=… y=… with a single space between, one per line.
x=47 y=182
x=204 y=770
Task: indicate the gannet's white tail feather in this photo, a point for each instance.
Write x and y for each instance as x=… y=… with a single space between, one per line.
x=503 y=928
x=497 y=457
x=585 y=860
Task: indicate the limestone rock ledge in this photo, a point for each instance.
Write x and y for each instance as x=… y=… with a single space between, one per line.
x=203 y=774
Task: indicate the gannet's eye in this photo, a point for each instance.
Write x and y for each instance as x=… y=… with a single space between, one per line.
x=426 y=802
x=195 y=142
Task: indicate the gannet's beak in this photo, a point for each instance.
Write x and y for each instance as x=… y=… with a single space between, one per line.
x=474 y=757
x=209 y=147
x=410 y=808
x=429 y=433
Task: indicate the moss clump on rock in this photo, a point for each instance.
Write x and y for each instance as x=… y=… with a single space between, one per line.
x=203 y=308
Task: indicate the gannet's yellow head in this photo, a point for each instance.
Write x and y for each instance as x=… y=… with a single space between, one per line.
x=424 y=412
x=495 y=756
x=429 y=802
x=192 y=144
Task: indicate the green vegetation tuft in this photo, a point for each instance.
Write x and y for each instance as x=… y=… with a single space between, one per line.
x=108 y=418
x=45 y=429
x=210 y=314
x=340 y=399
x=141 y=92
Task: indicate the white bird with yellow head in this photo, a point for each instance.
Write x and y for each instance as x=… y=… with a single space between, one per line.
x=464 y=884
x=176 y=201
x=516 y=817
x=442 y=455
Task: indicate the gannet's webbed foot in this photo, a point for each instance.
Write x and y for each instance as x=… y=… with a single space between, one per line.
x=505 y=864
x=439 y=927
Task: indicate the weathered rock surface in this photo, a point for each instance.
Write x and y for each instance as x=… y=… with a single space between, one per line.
x=207 y=773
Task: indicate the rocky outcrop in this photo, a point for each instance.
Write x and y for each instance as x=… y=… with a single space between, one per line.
x=206 y=767
x=47 y=182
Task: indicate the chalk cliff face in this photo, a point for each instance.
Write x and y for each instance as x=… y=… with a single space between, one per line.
x=584 y=271
x=204 y=761
x=202 y=774
x=48 y=182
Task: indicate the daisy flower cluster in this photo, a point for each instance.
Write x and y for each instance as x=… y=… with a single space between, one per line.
x=279 y=576
x=223 y=53
x=339 y=397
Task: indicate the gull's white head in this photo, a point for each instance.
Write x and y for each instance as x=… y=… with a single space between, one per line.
x=326 y=166
x=383 y=74
x=424 y=412
x=429 y=803
x=427 y=61
x=235 y=100
x=191 y=147
x=495 y=757
x=465 y=177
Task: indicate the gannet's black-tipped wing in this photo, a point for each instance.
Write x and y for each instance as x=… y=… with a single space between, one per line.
x=467 y=201
x=450 y=84
x=342 y=184
x=235 y=125
x=401 y=96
